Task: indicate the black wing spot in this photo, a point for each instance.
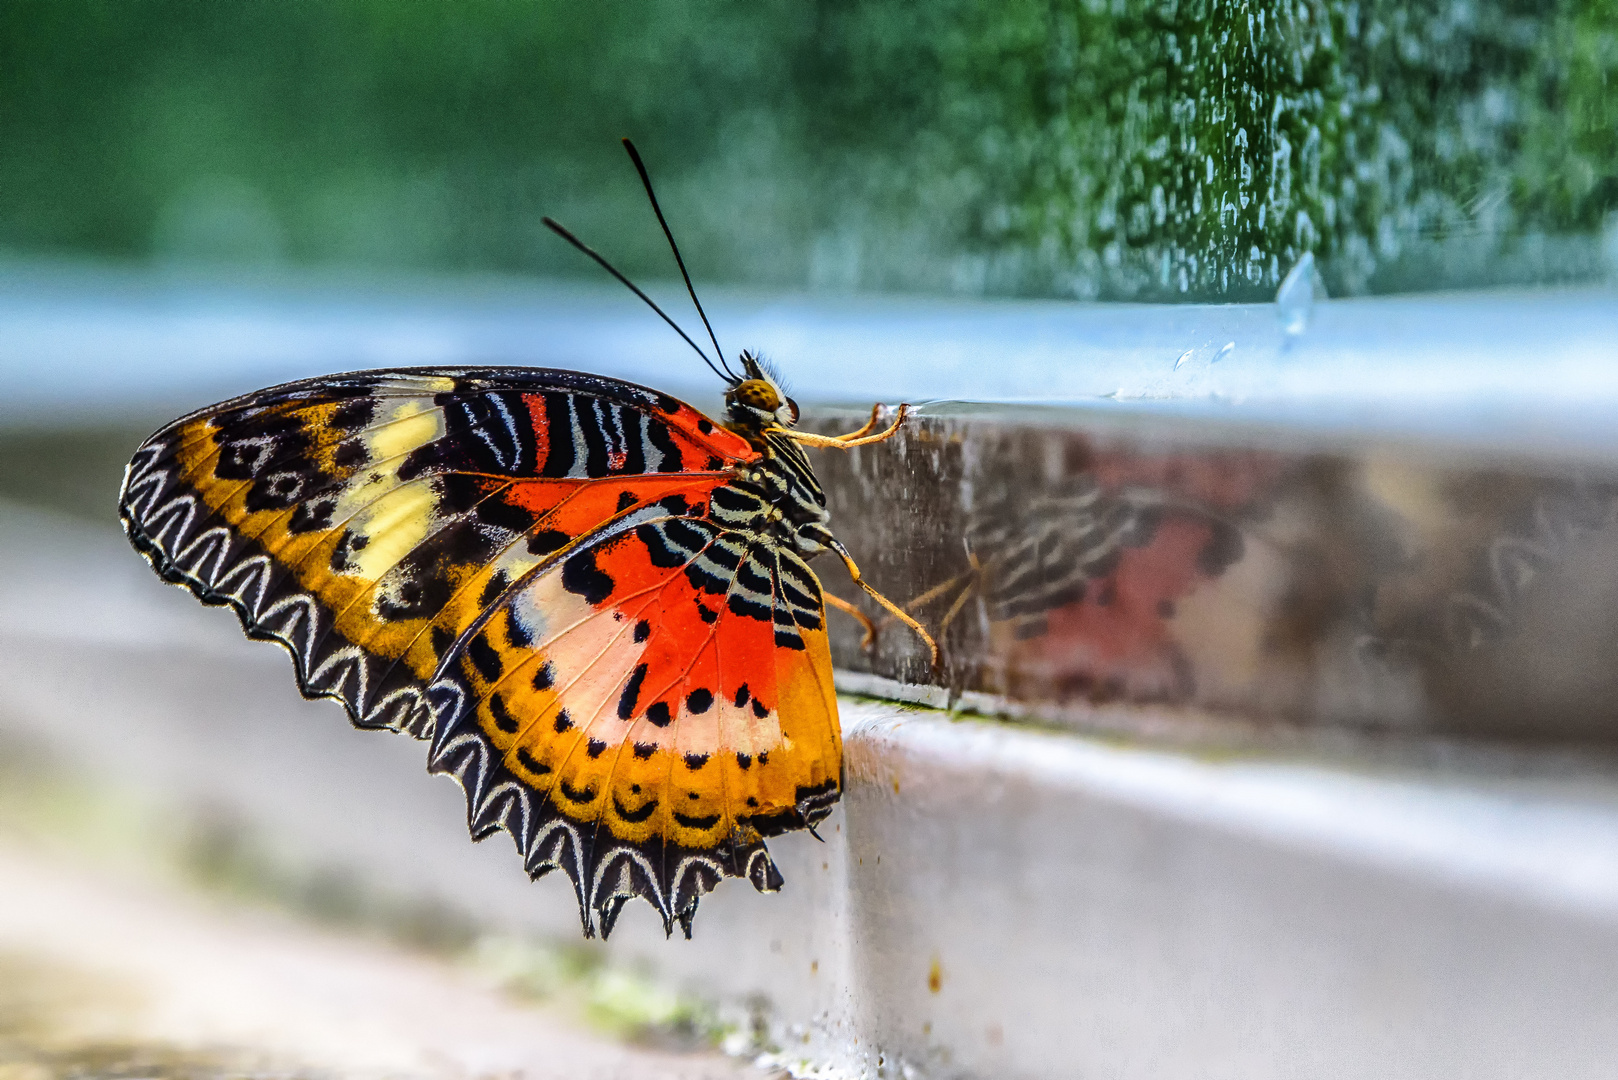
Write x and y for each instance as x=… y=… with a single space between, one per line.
x=491 y=592
x=741 y=695
x=699 y=700
x=659 y=714
x=412 y=599
x=531 y=763
x=643 y=630
x=575 y=795
x=353 y=414
x=704 y=425
x=582 y=577
x=484 y=658
x=595 y=748
x=242 y=460
x=626 y=499
x=667 y=404
x=502 y=716
x=503 y=515
x=744 y=760
x=635 y=816
x=763 y=757
x=760 y=711
x=544 y=676
x=546 y=541
x=695 y=761
x=441 y=640
x=752 y=801
x=516 y=632
x=459 y=492
x=313 y=515
x=708 y=615
x=564 y=722
x=643 y=751
x=697 y=822
x=626 y=700
x=350 y=455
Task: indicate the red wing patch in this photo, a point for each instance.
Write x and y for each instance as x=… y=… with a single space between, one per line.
x=384 y=526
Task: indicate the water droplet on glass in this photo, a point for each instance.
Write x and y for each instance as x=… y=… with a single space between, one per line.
x=1184 y=358
x=1295 y=299
x=1230 y=347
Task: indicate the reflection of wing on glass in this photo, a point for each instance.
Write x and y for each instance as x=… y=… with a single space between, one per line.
x=1076 y=583
x=1032 y=552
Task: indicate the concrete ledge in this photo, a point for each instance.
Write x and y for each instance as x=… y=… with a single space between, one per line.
x=1338 y=800
x=991 y=901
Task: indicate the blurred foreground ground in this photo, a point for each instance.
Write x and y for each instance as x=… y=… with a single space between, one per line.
x=110 y=976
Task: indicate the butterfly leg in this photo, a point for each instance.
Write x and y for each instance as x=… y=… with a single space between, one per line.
x=853 y=438
x=976 y=574
x=849 y=609
x=868 y=426
x=894 y=609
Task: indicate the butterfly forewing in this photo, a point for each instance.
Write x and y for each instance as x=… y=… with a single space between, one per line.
x=527 y=563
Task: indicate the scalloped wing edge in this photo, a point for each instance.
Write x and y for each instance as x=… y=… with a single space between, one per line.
x=164 y=531
x=604 y=877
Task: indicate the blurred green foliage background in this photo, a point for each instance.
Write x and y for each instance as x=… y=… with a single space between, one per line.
x=1150 y=149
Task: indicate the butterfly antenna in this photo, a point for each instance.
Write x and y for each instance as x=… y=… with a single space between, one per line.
x=646 y=179
x=554 y=226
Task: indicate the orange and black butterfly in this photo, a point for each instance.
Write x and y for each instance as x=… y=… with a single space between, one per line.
x=595 y=601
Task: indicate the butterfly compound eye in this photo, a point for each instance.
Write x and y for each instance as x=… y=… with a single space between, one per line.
x=758 y=394
x=792 y=406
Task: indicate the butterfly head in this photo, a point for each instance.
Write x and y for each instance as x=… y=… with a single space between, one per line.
x=756 y=402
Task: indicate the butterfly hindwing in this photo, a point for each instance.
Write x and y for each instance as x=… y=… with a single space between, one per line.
x=633 y=681
x=646 y=711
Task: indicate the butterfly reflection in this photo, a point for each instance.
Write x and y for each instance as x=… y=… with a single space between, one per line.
x=1071 y=588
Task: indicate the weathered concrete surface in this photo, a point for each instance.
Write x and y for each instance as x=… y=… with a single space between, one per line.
x=112 y=971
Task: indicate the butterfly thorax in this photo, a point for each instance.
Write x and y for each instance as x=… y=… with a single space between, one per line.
x=778 y=493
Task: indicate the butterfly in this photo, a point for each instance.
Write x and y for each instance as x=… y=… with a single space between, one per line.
x=592 y=599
